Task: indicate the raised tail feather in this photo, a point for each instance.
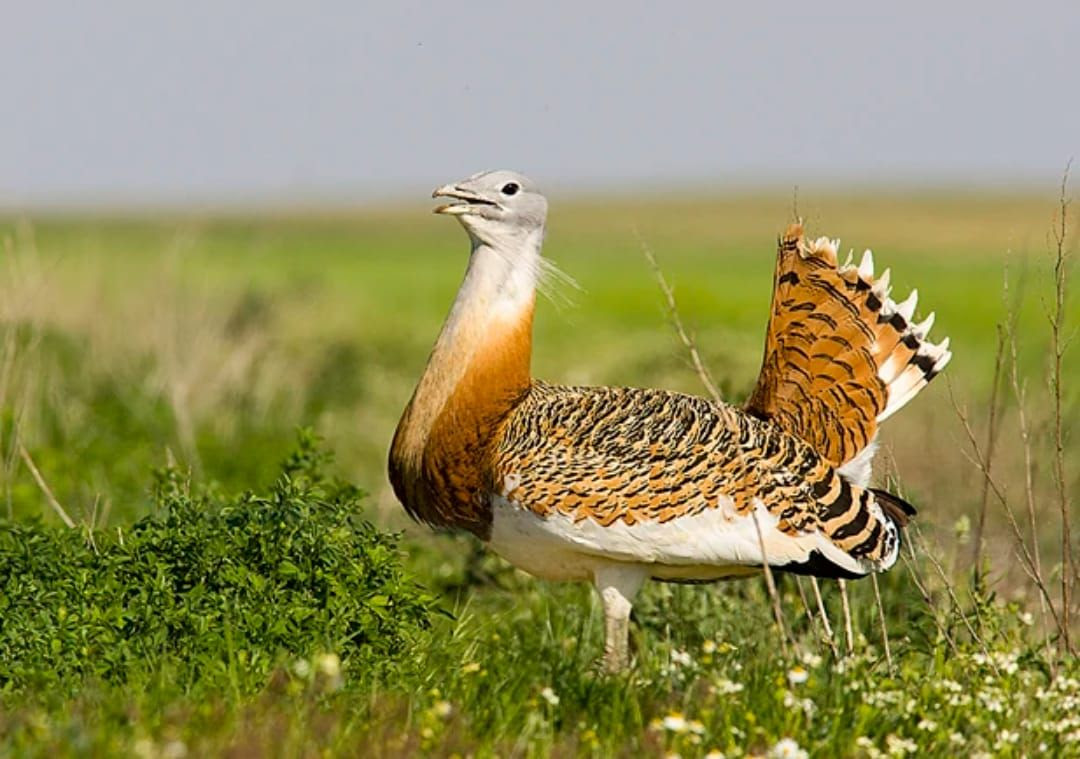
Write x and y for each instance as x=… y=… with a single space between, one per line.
x=840 y=355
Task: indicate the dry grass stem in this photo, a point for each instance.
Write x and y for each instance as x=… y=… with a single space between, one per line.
x=824 y=616
x=909 y=562
x=25 y=455
x=770 y=584
x=818 y=621
x=958 y=608
x=710 y=386
x=1019 y=391
x=991 y=442
x=1057 y=351
x=846 y=607
x=884 y=626
x=1027 y=559
x=676 y=320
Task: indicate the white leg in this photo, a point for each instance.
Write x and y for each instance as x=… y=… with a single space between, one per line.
x=618 y=584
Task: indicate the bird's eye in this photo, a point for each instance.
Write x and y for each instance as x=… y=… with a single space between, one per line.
x=510 y=188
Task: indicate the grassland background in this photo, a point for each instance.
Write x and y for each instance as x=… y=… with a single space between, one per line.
x=129 y=342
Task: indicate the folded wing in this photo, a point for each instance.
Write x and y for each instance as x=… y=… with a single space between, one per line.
x=677 y=481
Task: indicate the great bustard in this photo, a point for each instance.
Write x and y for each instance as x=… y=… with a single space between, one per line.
x=617 y=485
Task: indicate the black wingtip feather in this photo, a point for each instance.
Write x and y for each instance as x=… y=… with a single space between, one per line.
x=895 y=508
x=816 y=565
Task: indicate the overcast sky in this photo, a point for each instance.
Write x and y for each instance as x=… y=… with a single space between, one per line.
x=200 y=102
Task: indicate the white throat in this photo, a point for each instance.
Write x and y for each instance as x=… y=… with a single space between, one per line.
x=501 y=279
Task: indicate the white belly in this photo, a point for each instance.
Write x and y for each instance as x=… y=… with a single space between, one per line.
x=709 y=546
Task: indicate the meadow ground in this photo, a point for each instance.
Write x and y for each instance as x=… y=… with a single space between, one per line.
x=202 y=344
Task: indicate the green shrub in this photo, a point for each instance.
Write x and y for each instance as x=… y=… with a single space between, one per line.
x=214 y=591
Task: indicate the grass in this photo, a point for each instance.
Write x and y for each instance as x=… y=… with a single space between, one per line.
x=200 y=345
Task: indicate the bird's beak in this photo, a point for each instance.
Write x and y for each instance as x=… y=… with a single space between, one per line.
x=467 y=201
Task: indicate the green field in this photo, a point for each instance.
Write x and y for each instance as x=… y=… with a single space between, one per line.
x=203 y=343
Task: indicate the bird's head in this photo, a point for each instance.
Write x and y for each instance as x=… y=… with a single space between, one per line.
x=495 y=207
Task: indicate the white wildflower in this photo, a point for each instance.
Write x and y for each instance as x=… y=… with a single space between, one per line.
x=302 y=668
x=725 y=687
x=898 y=746
x=1007 y=662
x=675 y=723
x=883 y=698
x=1026 y=618
x=959 y=699
x=810 y=659
x=1006 y=738
x=797 y=675
x=927 y=724
x=681 y=659
x=957 y=739
x=715 y=754
x=709 y=646
x=786 y=748
x=442 y=709
x=549 y=695
x=991 y=702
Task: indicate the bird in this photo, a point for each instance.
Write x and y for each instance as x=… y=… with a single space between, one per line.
x=618 y=485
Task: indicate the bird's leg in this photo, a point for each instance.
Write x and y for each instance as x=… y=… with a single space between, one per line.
x=618 y=584
x=616 y=630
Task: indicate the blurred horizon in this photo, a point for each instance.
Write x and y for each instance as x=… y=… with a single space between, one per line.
x=244 y=105
x=562 y=194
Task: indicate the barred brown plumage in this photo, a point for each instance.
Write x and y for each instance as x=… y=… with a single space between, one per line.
x=616 y=485
x=634 y=455
x=840 y=355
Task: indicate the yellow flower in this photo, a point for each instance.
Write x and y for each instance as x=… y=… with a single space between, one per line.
x=471 y=667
